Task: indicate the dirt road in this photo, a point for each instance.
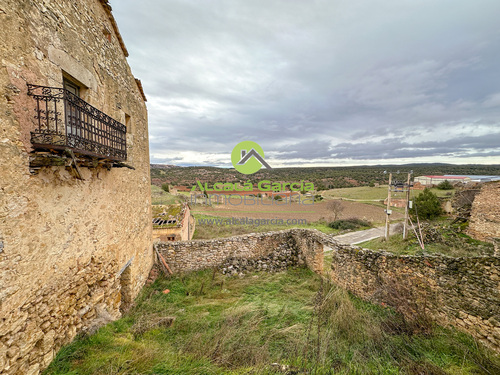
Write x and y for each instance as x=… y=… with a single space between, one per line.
x=354 y=238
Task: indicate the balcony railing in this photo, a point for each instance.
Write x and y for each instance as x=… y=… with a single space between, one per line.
x=65 y=121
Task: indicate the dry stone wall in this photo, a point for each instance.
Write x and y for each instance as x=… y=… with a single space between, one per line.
x=485 y=213
x=64 y=242
x=464 y=292
x=271 y=251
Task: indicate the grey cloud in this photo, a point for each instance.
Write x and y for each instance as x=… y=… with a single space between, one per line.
x=398 y=148
x=299 y=76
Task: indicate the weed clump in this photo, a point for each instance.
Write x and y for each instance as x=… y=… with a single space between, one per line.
x=349 y=224
x=289 y=322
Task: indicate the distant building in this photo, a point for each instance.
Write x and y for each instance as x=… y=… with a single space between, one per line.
x=434 y=180
x=474 y=178
x=179 y=189
x=173 y=222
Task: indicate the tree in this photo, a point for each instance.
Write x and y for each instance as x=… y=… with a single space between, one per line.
x=335 y=207
x=427 y=205
x=318 y=197
x=165 y=187
x=445 y=185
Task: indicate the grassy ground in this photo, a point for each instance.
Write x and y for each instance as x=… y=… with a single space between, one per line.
x=209 y=231
x=366 y=193
x=443 y=239
x=244 y=325
x=158 y=196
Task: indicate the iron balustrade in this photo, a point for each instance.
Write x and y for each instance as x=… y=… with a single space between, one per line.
x=65 y=121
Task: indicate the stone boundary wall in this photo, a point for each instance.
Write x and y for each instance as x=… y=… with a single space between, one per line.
x=271 y=251
x=485 y=214
x=464 y=292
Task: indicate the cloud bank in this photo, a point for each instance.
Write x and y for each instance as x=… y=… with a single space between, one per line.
x=318 y=82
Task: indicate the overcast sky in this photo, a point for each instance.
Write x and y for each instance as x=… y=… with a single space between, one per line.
x=318 y=83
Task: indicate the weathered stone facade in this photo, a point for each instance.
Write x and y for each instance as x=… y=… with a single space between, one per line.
x=271 y=251
x=72 y=251
x=485 y=214
x=464 y=292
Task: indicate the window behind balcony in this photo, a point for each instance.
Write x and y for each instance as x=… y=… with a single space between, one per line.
x=71 y=87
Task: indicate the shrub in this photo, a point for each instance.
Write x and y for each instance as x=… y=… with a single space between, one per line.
x=349 y=224
x=445 y=185
x=427 y=205
x=165 y=187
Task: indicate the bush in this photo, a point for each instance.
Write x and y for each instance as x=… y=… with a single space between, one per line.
x=165 y=187
x=445 y=185
x=349 y=224
x=427 y=205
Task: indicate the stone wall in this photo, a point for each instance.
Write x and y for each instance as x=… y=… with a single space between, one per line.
x=464 y=292
x=66 y=245
x=271 y=251
x=485 y=214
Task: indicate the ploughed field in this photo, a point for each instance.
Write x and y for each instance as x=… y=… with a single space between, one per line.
x=291 y=322
x=294 y=210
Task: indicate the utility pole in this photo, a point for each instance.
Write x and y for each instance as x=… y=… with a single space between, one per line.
x=388 y=210
x=405 y=227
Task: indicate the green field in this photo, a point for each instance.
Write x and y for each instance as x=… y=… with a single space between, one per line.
x=244 y=325
x=210 y=231
x=366 y=193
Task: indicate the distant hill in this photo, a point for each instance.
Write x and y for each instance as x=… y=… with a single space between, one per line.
x=162 y=166
x=323 y=177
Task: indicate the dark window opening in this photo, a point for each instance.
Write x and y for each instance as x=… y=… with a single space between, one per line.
x=71 y=87
x=128 y=123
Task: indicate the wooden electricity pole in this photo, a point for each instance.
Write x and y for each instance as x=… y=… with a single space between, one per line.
x=405 y=227
x=388 y=210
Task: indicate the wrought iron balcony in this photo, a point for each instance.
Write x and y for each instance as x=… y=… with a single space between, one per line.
x=65 y=121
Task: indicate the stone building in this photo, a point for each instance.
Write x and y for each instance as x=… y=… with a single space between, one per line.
x=75 y=206
x=173 y=222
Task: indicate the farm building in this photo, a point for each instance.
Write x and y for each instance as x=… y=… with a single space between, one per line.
x=434 y=180
x=173 y=222
x=474 y=178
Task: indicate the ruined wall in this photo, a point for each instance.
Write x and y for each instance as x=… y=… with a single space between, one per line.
x=64 y=242
x=271 y=251
x=464 y=292
x=485 y=214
